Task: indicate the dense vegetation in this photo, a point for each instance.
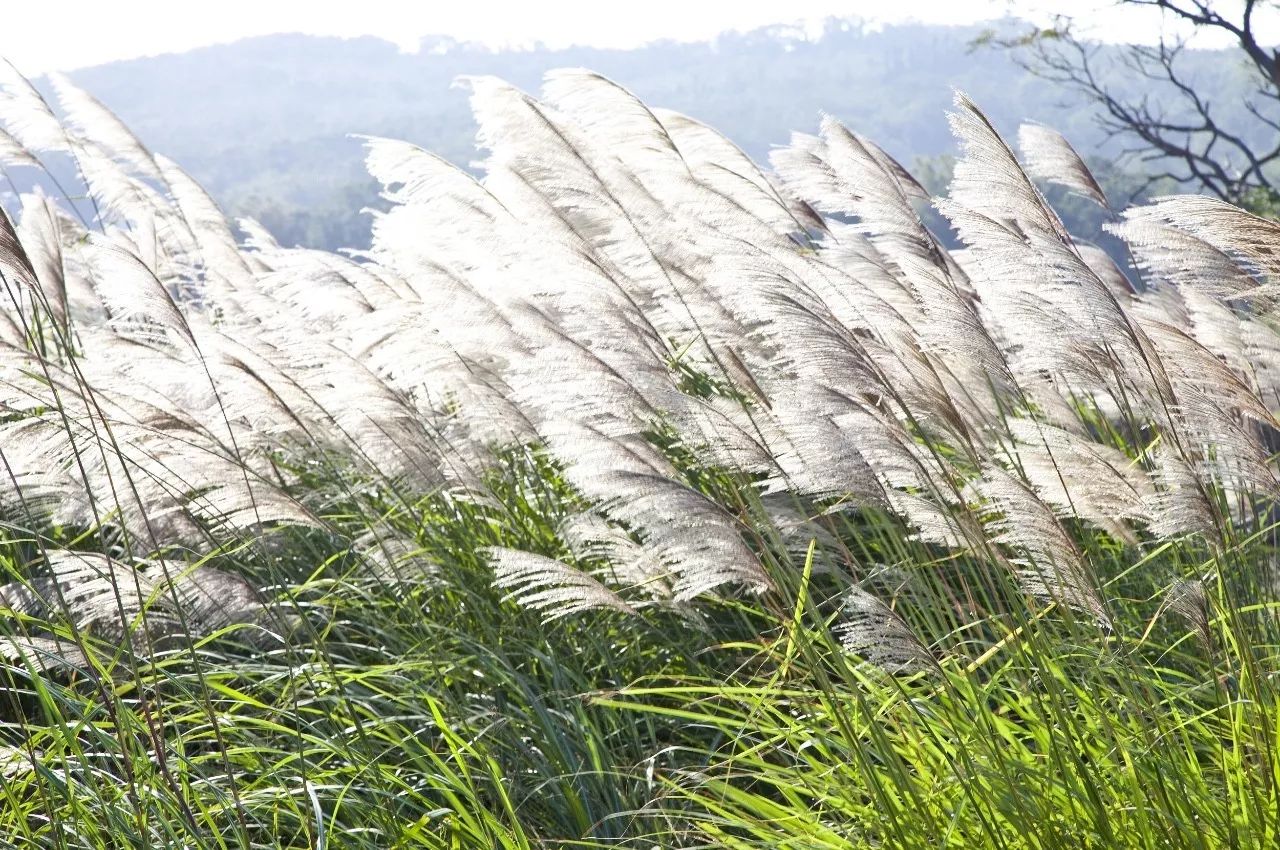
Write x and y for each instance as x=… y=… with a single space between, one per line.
x=632 y=495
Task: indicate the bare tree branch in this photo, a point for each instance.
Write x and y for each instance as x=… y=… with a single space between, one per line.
x=1181 y=128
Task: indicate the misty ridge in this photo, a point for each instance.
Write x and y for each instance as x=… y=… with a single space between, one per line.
x=264 y=123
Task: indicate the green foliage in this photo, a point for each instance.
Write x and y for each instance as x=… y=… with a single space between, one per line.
x=1262 y=202
x=409 y=713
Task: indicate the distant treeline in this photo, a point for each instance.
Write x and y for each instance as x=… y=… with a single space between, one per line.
x=264 y=122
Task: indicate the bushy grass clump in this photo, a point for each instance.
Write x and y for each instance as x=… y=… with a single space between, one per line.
x=431 y=712
x=631 y=496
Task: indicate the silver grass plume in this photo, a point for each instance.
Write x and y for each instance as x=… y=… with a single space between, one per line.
x=1175 y=256
x=870 y=628
x=94 y=123
x=698 y=540
x=13 y=153
x=1048 y=563
x=1051 y=158
x=843 y=172
x=152 y=605
x=1078 y=477
x=1188 y=600
x=26 y=115
x=632 y=567
x=131 y=290
x=208 y=226
x=44 y=654
x=394 y=557
x=723 y=167
x=550 y=587
x=989 y=180
x=1246 y=237
x=42 y=233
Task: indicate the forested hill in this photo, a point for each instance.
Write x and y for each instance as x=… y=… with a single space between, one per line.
x=264 y=122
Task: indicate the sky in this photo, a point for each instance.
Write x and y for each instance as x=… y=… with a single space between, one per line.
x=91 y=32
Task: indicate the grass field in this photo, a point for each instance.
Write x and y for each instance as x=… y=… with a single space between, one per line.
x=633 y=495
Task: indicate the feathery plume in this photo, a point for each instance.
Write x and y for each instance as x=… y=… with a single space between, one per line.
x=1187 y=599
x=875 y=631
x=550 y=587
x=1050 y=565
x=99 y=126
x=13 y=153
x=1051 y=158
x=26 y=115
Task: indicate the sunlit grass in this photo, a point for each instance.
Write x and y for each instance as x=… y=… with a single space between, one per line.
x=430 y=713
x=930 y=646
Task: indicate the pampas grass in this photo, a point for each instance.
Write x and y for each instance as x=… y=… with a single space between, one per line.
x=629 y=492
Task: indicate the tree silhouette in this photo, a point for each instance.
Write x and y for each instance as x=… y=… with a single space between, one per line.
x=1171 y=120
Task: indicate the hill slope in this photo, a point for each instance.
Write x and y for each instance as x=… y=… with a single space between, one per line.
x=264 y=122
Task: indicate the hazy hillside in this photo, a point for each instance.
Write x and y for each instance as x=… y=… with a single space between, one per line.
x=264 y=122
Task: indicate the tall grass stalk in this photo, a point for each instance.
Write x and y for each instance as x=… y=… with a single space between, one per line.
x=631 y=494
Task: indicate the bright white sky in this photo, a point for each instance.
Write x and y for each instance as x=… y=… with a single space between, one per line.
x=39 y=37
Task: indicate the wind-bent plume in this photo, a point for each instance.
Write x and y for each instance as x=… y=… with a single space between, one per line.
x=1050 y=157
x=1187 y=599
x=872 y=629
x=26 y=115
x=13 y=153
x=148 y=606
x=97 y=125
x=550 y=586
